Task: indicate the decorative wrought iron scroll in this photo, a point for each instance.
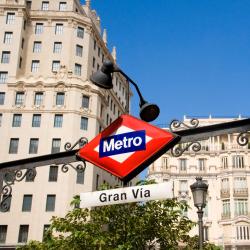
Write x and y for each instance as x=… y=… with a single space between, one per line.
x=81 y=142
x=242 y=138
x=179 y=149
x=177 y=125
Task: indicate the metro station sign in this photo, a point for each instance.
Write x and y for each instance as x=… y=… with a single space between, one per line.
x=127 y=146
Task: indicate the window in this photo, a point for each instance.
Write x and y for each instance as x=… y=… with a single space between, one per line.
x=98 y=66
x=56 y=144
x=2 y=98
x=24 y=24
x=19 y=98
x=205 y=233
x=225 y=184
x=97 y=182
x=93 y=63
x=23 y=233
x=45 y=228
x=80 y=176
x=28 y=4
x=1 y=119
x=183 y=164
x=3 y=77
x=38 y=98
x=45 y=5
x=5 y=57
x=183 y=186
x=3 y=233
x=27 y=202
x=84 y=123
x=36 y=120
x=238 y=161
x=53 y=173
x=8 y=37
x=22 y=45
x=35 y=66
x=39 y=28
x=201 y=164
x=13 y=145
x=20 y=62
x=78 y=69
x=240 y=183
x=37 y=47
x=58 y=120
x=99 y=51
x=242 y=232
x=60 y=98
x=94 y=44
x=57 y=47
x=224 y=162
x=33 y=148
x=85 y=101
x=62 y=6
x=50 y=203
x=241 y=207
x=10 y=18
x=80 y=32
x=164 y=162
x=78 y=50
x=226 y=208
x=17 y=119
x=55 y=66
x=59 y=29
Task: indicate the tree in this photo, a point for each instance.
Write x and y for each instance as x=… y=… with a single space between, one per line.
x=133 y=226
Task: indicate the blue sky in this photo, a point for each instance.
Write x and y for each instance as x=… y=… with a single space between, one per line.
x=190 y=57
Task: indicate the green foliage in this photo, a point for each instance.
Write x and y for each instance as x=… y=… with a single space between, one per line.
x=131 y=226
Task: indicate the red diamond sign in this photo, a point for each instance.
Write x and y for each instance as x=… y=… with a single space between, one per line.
x=127 y=146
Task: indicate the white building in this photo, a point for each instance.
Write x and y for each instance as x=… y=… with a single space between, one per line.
x=225 y=166
x=48 y=51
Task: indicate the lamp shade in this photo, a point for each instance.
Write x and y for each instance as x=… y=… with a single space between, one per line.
x=149 y=112
x=103 y=78
x=199 y=191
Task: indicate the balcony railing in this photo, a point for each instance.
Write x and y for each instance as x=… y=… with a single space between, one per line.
x=240 y=192
x=225 y=193
x=183 y=193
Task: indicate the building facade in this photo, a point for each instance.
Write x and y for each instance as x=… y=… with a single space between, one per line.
x=48 y=51
x=225 y=166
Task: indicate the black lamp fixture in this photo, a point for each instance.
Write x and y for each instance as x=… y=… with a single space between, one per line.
x=199 y=191
x=103 y=79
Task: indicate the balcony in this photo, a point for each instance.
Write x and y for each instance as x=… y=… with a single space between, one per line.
x=224 y=193
x=183 y=194
x=240 y=192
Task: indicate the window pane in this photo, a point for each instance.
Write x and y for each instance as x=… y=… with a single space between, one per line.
x=2 y=97
x=3 y=233
x=60 y=99
x=62 y=6
x=80 y=32
x=80 y=177
x=8 y=37
x=59 y=29
x=58 y=120
x=36 y=120
x=55 y=66
x=39 y=28
x=17 y=119
x=23 y=233
x=38 y=98
x=57 y=47
x=19 y=98
x=53 y=173
x=27 y=202
x=78 y=69
x=78 y=50
x=45 y=228
x=33 y=146
x=56 y=144
x=10 y=18
x=84 y=123
x=37 y=47
x=35 y=66
x=13 y=145
x=85 y=101
x=5 y=57
x=50 y=202
x=3 y=76
x=45 y=5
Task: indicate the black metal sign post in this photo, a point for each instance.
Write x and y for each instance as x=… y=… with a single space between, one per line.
x=190 y=136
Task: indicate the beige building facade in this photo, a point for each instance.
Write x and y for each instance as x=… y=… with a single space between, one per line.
x=49 y=49
x=225 y=166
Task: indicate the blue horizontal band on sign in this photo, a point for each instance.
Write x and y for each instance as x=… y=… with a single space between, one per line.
x=123 y=143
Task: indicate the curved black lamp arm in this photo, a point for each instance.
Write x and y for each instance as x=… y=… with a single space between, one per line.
x=142 y=101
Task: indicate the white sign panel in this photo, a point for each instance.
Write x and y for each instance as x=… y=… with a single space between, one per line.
x=128 y=194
